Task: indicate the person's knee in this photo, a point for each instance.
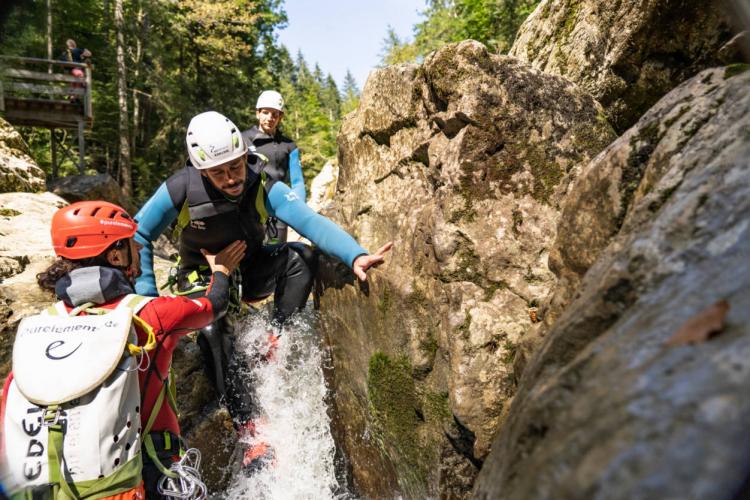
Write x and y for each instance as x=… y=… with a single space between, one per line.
x=300 y=265
x=308 y=255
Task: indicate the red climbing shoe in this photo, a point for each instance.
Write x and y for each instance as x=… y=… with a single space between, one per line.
x=269 y=347
x=258 y=452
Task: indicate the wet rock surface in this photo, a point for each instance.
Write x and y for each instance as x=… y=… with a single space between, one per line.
x=627 y=54
x=639 y=388
x=462 y=162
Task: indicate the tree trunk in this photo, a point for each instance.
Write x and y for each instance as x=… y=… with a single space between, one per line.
x=136 y=76
x=122 y=94
x=49 y=34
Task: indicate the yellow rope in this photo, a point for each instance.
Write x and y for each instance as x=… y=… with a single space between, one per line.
x=150 y=339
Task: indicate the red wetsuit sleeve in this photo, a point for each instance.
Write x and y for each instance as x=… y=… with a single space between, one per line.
x=171 y=318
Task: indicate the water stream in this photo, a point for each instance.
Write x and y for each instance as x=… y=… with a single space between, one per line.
x=295 y=421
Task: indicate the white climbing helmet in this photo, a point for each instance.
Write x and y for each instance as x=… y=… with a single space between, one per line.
x=270 y=99
x=212 y=139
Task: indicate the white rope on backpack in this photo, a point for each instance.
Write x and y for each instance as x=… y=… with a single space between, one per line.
x=188 y=484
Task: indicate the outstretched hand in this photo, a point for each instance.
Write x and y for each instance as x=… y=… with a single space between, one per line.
x=364 y=262
x=228 y=259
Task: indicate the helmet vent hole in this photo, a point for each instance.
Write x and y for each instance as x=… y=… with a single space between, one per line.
x=124 y=215
x=70 y=242
x=93 y=212
x=112 y=214
x=75 y=212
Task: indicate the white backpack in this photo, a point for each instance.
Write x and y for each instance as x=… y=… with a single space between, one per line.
x=72 y=415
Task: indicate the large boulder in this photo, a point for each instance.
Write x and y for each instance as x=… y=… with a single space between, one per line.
x=461 y=162
x=323 y=186
x=25 y=250
x=18 y=171
x=627 y=54
x=90 y=187
x=639 y=389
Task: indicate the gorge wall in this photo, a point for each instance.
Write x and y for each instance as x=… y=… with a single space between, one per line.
x=462 y=162
x=541 y=267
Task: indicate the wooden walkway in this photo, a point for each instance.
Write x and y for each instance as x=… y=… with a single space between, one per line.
x=43 y=93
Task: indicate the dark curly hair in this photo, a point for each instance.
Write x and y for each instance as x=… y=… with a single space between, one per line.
x=48 y=278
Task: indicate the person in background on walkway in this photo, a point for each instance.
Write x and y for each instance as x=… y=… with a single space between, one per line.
x=73 y=54
x=280 y=153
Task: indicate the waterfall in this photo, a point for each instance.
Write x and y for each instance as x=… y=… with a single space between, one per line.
x=294 y=421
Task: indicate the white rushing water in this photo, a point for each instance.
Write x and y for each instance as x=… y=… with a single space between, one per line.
x=294 y=421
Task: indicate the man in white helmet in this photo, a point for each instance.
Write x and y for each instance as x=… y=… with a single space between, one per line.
x=223 y=195
x=280 y=153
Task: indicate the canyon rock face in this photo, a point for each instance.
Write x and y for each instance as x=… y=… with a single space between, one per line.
x=639 y=388
x=626 y=54
x=462 y=162
x=25 y=250
x=18 y=172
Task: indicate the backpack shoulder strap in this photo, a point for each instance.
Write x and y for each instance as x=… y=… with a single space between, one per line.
x=56 y=309
x=134 y=302
x=260 y=198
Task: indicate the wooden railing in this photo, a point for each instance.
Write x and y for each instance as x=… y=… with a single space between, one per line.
x=44 y=93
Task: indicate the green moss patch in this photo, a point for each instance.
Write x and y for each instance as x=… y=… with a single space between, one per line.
x=385 y=301
x=9 y=212
x=735 y=69
x=407 y=418
x=394 y=406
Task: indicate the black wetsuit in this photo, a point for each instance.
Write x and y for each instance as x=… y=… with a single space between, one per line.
x=283 y=164
x=211 y=221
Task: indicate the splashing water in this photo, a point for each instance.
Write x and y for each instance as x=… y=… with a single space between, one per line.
x=291 y=395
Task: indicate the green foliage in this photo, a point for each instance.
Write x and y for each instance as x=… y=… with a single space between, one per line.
x=492 y=22
x=182 y=58
x=313 y=111
x=349 y=94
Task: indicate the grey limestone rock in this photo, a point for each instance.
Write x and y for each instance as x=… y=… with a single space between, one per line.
x=656 y=231
x=627 y=54
x=18 y=171
x=461 y=161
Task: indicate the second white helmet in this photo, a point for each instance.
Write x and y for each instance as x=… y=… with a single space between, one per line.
x=212 y=139
x=270 y=99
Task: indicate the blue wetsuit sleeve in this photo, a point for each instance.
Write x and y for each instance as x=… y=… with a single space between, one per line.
x=285 y=204
x=295 y=175
x=153 y=218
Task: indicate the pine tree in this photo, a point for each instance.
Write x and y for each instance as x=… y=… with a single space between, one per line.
x=350 y=94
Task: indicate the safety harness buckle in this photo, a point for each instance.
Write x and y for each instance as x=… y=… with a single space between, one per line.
x=51 y=416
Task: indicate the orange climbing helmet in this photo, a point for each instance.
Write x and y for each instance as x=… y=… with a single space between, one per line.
x=87 y=228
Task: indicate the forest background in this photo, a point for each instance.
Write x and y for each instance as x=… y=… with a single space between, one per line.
x=159 y=62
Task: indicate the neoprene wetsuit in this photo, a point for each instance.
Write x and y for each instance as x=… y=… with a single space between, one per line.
x=283 y=164
x=210 y=220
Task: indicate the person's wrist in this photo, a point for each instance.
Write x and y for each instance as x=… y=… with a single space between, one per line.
x=354 y=262
x=222 y=270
